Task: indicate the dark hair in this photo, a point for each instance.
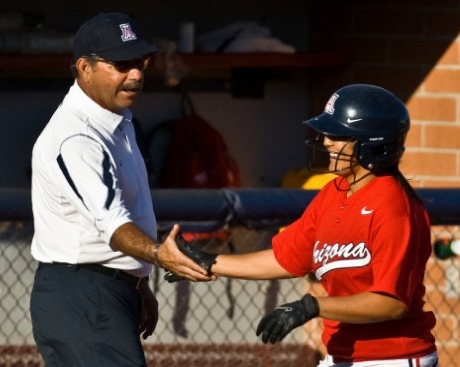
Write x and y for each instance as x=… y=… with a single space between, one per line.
x=73 y=65
x=410 y=192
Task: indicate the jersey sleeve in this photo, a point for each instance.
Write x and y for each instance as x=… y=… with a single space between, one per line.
x=88 y=179
x=293 y=246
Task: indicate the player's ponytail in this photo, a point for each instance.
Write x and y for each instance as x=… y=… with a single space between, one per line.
x=410 y=192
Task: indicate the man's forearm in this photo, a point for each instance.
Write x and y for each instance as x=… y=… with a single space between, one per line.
x=132 y=241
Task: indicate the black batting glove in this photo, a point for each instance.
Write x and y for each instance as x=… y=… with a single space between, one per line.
x=276 y=325
x=204 y=259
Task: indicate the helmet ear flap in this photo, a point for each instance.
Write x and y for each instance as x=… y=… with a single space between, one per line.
x=363 y=153
x=357 y=151
x=378 y=156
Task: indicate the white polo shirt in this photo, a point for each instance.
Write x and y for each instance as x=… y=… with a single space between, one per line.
x=88 y=178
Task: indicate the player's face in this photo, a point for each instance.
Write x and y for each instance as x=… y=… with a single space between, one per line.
x=341 y=160
x=111 y=87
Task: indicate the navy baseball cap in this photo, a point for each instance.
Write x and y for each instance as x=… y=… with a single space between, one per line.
x=111 y=36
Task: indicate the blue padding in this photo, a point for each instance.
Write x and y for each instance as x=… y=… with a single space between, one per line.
x=443 y=205
x=15 y=204
x=260 y=208
x=208 y=210
x=195 y=210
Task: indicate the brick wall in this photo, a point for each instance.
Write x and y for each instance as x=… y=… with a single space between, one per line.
x=434 y=145
x=411 y=48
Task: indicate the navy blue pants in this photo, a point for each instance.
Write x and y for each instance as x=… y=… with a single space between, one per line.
x=82 y=318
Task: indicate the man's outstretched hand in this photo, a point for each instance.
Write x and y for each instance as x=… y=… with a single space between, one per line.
x=204 y=259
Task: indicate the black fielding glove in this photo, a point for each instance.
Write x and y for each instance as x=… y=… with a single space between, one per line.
x=204 y=259
x=276 y=325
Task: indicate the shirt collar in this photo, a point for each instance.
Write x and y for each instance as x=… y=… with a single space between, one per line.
x=88 y=110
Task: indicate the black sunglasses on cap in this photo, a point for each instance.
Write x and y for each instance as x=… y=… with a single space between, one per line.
x=124 y=66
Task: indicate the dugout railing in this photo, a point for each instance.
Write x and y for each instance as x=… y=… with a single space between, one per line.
x=209 y=324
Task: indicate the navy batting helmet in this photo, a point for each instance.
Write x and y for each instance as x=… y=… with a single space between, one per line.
x=372 y=116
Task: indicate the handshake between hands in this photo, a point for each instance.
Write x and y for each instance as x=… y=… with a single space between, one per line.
x=204 y=259
x=276 y=325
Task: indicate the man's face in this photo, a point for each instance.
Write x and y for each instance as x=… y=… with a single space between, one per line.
x=113 y=85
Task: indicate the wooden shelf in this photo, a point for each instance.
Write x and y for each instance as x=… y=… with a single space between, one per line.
x=57 y=65
x=243 y=75
x=264 y=60
x=24 y=66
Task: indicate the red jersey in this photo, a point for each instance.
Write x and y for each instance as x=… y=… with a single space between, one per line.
x=376 y=240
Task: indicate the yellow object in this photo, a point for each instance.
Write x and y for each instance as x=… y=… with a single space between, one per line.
x=302 y=178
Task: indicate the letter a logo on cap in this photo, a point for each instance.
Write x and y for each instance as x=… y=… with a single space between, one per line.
x=127 y=34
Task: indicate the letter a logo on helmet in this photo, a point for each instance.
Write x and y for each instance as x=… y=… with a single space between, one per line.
x=329 y=108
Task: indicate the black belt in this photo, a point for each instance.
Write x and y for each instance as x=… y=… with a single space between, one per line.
x=113 y=273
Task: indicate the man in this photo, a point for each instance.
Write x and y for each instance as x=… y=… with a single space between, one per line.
x=95 y=228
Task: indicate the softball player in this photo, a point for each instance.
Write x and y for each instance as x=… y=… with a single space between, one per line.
x=366 y=237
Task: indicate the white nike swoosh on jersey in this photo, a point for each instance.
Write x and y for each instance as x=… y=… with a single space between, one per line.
x=349 y=120
x=365 y=211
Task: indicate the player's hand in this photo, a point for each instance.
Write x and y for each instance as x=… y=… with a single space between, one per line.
x=205 y=260
x=174 y=260
x=276 y=325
